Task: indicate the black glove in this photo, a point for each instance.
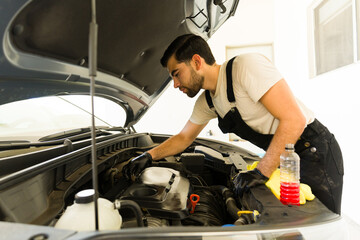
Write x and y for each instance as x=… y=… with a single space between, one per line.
x=245 y=180
x=136 y=165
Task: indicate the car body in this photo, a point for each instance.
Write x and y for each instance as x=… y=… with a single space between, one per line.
x=46 y=141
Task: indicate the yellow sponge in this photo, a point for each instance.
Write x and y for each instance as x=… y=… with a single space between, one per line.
x=274 y=185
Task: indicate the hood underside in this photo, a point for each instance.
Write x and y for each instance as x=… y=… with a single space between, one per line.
x=45 y=46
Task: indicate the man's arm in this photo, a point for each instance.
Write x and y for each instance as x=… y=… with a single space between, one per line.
x=172 y=146
x=281 y=103
x=178 y=142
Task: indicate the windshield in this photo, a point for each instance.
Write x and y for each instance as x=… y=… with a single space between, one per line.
x=33 y=118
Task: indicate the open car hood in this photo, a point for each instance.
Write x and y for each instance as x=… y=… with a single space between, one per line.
x=44 y=47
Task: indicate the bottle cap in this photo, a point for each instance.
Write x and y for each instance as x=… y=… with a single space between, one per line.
x=85 y=196
x=289 y=146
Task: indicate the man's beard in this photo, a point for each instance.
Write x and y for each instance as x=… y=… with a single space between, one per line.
x=197 y=82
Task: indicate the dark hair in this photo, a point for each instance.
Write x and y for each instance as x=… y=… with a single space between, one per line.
x=185 y=46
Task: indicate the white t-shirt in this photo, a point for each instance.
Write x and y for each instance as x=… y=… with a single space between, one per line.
x=253 y=76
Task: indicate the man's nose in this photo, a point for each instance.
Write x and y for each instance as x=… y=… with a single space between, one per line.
x=176 y=83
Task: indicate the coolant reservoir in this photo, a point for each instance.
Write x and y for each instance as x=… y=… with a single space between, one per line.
x=80 y=216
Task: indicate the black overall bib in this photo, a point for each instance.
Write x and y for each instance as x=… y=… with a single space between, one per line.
x=321 y=165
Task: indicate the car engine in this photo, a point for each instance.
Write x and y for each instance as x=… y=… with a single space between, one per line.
x=189 y=190
x=192 y=188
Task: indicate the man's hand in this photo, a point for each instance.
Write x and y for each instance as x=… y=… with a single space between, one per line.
x=136 y=165
x=245 y=180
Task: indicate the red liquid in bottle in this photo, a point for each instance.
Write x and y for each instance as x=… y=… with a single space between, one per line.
x=290 y=176
x=290 y=193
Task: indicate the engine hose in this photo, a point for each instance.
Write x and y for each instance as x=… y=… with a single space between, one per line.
x=208 y=211
x=132 y=205
x=231 y=206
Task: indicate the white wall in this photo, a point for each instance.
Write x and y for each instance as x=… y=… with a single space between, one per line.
x=332 y=96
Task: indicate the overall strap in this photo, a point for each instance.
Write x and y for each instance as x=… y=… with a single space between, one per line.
x=229 y=82
x=209 y=99
x=229 y=90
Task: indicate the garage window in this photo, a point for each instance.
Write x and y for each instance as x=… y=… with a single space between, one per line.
x=335 y=25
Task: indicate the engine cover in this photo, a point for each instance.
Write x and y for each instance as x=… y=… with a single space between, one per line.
x=162 y=192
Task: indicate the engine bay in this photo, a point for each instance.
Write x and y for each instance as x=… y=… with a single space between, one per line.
x=193 y=188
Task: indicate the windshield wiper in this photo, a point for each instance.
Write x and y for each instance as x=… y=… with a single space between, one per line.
x=59 y=138
x=65 y=134
x=9 y=145
x=16 y=144
x=81 y=133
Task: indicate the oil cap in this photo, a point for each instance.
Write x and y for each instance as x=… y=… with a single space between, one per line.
x=85 y=196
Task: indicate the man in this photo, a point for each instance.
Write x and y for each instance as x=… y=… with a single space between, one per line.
x=251 y=99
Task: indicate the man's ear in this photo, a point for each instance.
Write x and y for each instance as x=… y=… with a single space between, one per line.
x=197 y=60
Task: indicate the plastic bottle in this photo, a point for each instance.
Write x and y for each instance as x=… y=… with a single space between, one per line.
x=290 y=176
x=81 y=215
